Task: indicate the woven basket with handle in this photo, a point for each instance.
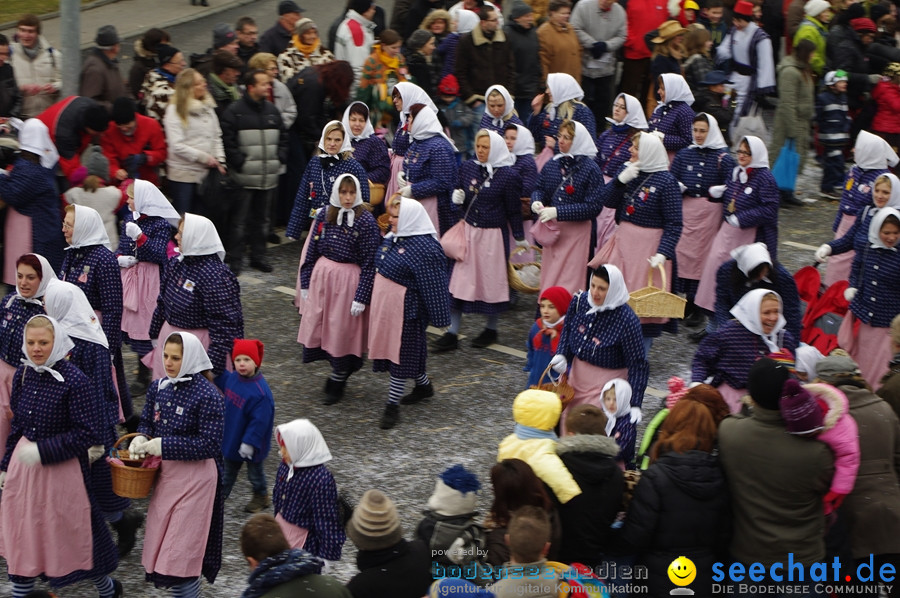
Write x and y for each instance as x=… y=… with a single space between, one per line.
x=655 y=302
x=512 y=271
x=559 y=387
x=130 y=480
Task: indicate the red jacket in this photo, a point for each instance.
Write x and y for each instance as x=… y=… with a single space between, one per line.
x=643 y=17
x=147 y=139
x=887 y=116
x=65 y=119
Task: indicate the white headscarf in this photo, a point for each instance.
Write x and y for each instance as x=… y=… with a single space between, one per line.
x=582 y=144
x=193 y=359
x=871 y=152
x=88 y=228
x=412 y=94
x=466 y=20
x=71 y=308
x=425 y=126
x=677 y=89
x=304 y=444
x=759 y=158
x=750 y=256
x=367 y=131
x=806 y=359
x=149 y=201
x=413 y=220
x=199 y=237
x=747 y=313
x=563 y=87
x=524 y=145
x=499 y=155
x=62 y=344
x=635 y=117
x=616 y=295
x=48 y=275
x=34 y=137
x=875 y=241
x=346 y=146
x=623 y=402
x=336 y=199
x=714 y=138
x=508 y=105
x=894 y=199
x=652 y=153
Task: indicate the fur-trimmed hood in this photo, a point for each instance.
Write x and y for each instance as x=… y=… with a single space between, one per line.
x=836 y=400
x=587 y=443
x=479 y=38
x=141 y=52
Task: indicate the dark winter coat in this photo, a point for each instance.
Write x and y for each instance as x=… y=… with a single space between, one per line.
x=400 y=571
x=10 y=96
x=524 y=45
x=845 y=51
x=423 y=72
x=482 y=62
x=101 y=79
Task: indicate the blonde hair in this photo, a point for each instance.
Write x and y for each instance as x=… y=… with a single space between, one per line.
x=261 y=61
x=40 y=322
x=884 y=180
x=184 y=92
x=335 y=126
x=568 y=125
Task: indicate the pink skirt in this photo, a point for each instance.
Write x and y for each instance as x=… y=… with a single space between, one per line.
x=732 y=396
x=154 y=359
x=396 y=167
x=563 y=264
x=525 y=256
x=482 y=276
x=179 y=518
x=45 y=519
x=17 y=241
x=298 y=297
x=587 y=381
x=727 y=239
x=431 y=208
x=838 y=266
x=294 y=534
x=6 y=379
x=386 y=319
x=606 y=226
x=870 y=348
x=699 y=222
x=629 y=249
x=140 y=290
x=327 y=323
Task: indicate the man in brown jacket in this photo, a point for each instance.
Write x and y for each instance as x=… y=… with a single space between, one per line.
x=484 y=58
x=100 y=76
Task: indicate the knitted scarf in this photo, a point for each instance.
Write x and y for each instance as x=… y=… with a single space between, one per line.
x=305 y=49
x=391 y=64
x=280 y=569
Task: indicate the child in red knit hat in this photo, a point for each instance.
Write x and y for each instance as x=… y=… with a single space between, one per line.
x=543 y=338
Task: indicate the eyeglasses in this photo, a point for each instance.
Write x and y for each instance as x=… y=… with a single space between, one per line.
x=67 y=226
x=741 y=152
x=619 y=106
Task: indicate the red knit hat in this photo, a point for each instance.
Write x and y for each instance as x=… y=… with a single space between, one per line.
x=863 y=25
x=250 y=347
x=449 y=86
x=559 y=297
x=743 y=8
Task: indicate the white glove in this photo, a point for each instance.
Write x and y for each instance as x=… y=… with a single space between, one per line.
x=406 y=191
x=823 y=252
x=154 y=447
x=401 y=179
x=849 y=294
x=126 y=261
x=133 y=231
x=874 y=79
x=657 y=260
x=559 y=364
x=682 y=186
x=304 y=294
x=28 y=453
x=2 y=479
x=357 y=308
x=524 y=244
x=137 y=448
x=246 y=451
x=458 y=197
x=732 y=219
x=630 y=173
x=95 y=452
x=548 y=214
x=636 y=415
x=154 y=342
x=537 y=206
x=717 y=191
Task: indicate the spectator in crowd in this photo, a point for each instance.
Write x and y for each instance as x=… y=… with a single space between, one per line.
x=560 y=46
x=476 y=5
x=305 y=50
x=277 y=38
x=223 y=39
x=92 y=193
x=814 y=27
x=251 y=129
x=886 y=123
x=159 y=85
x=847 y=51
x=381 y=72
x=280 y=95
x=890 y=384
x=460 y=116
x=528 y=538
x=438 y=23
x=355 y=36
x=643 y=16
x=668 y=53
x=419 y=16
x=525 y=45
x=423 y=68
x=466 y=20
x=714 y=22
x=145 y=59
x=601 y=28
x=100 y=76
x=833 y=122
x=484 y=58
x=135 y=145
x=222 y=81
x=37 y=65
x=247 y=33
x=698 y=59
x=10 y=96
x=710 y=98
x=73 y=123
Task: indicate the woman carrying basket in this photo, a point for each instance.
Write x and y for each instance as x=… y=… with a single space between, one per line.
x=48 y=504
x=182 y=423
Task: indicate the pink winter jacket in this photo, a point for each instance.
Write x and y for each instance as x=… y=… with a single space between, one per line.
x=840 y=434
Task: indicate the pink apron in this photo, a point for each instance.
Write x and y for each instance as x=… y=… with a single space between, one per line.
x=699 y=222
x=563 y=264
x=327 y=322
x=838 y=266
x=396 y=167
x=870 y=348
x=17 y=241
x=45 y=519
x=179 y=518
x=140 y=290
x=295 y=535
x=733 y=396
x=386 y=319
x=482 y=276
x=727 y=239
x=431 y=208
x=298 y=297
x=6 y=379
x=154 y=359
x=587 y=381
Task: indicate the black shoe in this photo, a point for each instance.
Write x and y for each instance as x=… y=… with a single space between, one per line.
x=139 y=386
x=419 y=393
x=126 y=528
x=487 y=338
x=693 y=315
x=390 y=417
x=204 y=3
x=698 y=336
x=789 y=201
x=274 y=239
x=334 y=391
x=261 y=265
x=448 y=342
x=118 y=590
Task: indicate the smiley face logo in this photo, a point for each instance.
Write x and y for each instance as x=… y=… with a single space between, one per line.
x=682 y=571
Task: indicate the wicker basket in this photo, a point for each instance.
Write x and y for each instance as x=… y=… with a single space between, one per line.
x=559 y=387
x=512 y=271
x=655 y=302
x=130 y=480
x=376 y=193
x=384 y=221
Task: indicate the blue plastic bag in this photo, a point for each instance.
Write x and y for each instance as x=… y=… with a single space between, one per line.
x=786 y=166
